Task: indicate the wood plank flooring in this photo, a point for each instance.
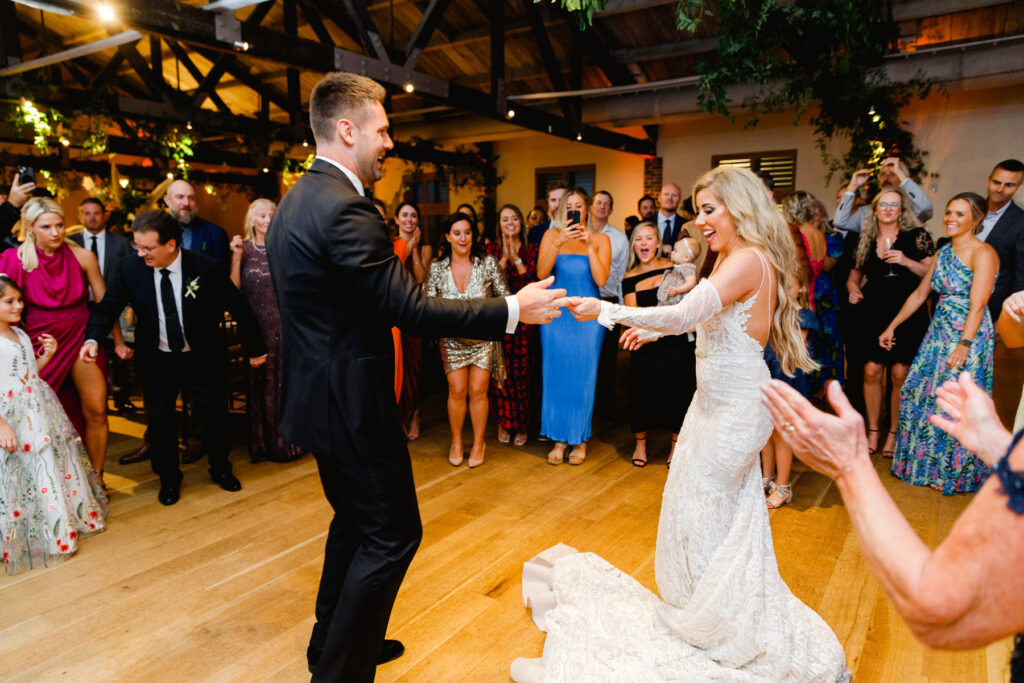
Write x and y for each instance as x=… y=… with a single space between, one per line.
x=220 y=587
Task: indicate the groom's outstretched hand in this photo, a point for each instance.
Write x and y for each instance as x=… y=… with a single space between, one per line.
x=538 y=303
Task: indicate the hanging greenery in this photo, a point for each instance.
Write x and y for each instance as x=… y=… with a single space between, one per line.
x=822 y=58
x=43 y=122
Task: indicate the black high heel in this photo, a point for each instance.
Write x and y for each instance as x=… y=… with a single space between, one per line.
x=872 y=451
x=888 y=453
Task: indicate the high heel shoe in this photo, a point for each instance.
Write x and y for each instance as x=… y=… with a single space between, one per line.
x=785 y=495
x=872 y=451
x=767 y=483
x=452 y=459
x=578 y=455
x=887 y=453
x=475 y=463
x=640 y=462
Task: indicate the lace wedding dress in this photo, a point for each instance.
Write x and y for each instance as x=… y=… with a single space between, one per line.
x=724 y=613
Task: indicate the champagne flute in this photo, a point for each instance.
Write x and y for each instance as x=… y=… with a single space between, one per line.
x=888 y=248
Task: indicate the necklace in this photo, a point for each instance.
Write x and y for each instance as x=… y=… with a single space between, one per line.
x=257 y=247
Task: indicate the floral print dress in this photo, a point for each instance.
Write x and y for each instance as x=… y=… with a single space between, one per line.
x=926 y=455
x=49 y=494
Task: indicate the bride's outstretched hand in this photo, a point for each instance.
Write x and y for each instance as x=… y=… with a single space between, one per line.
x=635 y=337
x=584 y=307
x=827 y=443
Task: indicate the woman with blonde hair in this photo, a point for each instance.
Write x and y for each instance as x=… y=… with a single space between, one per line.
x=580 y=258
x=251 y=274
x=56 y=275
x=893 y=254
x=724 y=612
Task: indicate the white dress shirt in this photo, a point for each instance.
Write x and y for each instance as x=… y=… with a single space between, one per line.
x=990 y=220
x=512 y=301
x=620 y=259
x=175 y=276
x=101 y=247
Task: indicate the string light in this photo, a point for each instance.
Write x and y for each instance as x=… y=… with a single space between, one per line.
x=511 y=113
x=123 y=182
x=106 y=12
x=409 y=87
x=170 y=176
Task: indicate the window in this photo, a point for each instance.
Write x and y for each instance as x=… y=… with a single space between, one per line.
x=781 y=165
x=566 y=176
x=431 y=195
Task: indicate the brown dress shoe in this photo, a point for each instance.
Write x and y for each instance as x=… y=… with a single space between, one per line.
x=138 y=456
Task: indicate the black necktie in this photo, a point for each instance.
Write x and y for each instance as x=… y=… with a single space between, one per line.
x=95 y=249
x=668 y=231
x=175 y=337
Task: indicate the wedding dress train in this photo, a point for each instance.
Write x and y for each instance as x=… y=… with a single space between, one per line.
x=724 y=612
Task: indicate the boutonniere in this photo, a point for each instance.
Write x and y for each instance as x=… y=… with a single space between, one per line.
x=192 y=287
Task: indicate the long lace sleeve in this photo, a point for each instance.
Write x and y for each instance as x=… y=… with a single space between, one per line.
x=700 y=304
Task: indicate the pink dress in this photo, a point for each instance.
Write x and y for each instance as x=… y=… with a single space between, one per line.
x=816 y=268
x=56 y=302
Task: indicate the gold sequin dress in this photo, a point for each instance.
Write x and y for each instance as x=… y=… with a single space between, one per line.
x=486 y=280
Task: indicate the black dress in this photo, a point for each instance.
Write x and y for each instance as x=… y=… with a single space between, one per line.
x=663 y=374
x=885 y=294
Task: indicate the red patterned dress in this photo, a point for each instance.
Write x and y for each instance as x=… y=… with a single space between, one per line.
x=515 y=400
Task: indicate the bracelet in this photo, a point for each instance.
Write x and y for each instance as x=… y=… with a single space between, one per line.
x=517 y=262
x=966 y=342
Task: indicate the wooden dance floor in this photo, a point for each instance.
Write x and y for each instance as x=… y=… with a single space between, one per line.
x=220 y=587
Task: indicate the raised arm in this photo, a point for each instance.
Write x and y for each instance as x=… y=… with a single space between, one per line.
x=964 y=594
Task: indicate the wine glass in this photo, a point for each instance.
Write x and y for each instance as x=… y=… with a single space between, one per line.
x=888 y=248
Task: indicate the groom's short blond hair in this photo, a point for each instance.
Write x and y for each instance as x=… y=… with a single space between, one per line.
x=340 y=95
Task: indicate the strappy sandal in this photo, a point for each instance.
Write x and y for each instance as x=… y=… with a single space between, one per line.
x=576 y=457
x=768 y=483
x=503 y=435
x=640 y=462
x=785 y=492
x=872 y=451
x=887 y=453
x=556 y=454
x=521 y=438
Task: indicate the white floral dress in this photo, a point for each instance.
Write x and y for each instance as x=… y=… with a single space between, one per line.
x=49 y=494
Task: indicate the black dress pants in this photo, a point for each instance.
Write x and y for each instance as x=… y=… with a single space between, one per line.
x=607 y=368
x=373 y=536
x=207 y=383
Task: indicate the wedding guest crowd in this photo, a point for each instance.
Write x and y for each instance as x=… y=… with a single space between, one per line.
x=863 y=285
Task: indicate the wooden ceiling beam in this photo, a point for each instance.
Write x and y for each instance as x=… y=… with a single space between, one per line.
x=424 y=30
x=10 y=35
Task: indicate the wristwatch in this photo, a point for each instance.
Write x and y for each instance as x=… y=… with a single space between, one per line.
x=966 y=342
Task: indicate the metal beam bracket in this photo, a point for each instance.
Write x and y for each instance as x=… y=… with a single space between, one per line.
x=390 y=73
x=227 y=28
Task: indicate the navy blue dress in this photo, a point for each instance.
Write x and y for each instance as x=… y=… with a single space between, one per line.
x=570 y=353
x=805 y=383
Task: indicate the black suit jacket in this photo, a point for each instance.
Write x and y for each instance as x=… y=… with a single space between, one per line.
x=341 y=289
x=1007 y=238
x=133 y=284
x=677 y=224
x=117 y=249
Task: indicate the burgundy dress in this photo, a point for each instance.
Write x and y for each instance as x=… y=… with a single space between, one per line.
x=519 y=394
x=56 y=297
x=265 y=439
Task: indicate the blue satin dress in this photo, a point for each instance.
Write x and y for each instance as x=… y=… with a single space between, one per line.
x=570 y=354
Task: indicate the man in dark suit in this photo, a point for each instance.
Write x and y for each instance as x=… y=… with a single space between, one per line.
x=340 y=290
x=179 y=298
x=110 y=249
x=197 y=234
x=1003 y=229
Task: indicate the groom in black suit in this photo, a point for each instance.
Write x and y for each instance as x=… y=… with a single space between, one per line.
x=179 y=298
x=341 y=289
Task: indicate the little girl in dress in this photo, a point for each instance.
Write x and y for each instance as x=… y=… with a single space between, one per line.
x=681 y=279
x=49 y=494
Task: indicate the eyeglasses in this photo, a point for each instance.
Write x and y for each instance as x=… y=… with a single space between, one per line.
x=889 y=205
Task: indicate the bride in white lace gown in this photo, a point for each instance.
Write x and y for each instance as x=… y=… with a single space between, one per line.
x=724 y=611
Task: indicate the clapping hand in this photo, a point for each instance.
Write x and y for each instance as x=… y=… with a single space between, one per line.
x=829 y=444
x=414 y=241
x=538 y=304
x=236 y=245
x=972 y=418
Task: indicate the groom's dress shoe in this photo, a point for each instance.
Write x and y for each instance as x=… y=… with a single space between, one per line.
x=390 y=651
x=227 y=481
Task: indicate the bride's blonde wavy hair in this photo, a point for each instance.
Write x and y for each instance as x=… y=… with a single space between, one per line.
x=30 y=213
x=760 y=224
